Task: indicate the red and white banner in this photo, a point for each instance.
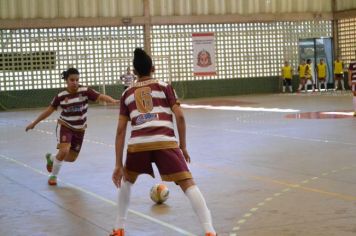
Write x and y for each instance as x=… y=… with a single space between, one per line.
x=204 y=54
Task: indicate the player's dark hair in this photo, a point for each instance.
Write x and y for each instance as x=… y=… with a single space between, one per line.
x=308 y=61
x=142 y=62
x=70 y=71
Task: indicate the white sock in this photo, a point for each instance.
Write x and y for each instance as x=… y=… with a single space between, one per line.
x=56 y=166
x=342 y=84
x=124 y=194
x=319 y=87
x=284 y=89
x=198 y=203
x=291 y=89
x=354 y=102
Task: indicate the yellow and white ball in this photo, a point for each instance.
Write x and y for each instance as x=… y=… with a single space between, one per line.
x=159 y=193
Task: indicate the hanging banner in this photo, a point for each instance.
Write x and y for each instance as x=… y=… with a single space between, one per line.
x=204 y=54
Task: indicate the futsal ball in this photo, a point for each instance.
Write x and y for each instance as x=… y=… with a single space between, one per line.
x=159 y=193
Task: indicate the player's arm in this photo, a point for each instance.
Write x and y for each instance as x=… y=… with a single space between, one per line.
x=181 y=127
x=46 y=113
x=118 y=173
x=106 y=98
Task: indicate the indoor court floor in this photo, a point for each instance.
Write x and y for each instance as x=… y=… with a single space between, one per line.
x=268 y=165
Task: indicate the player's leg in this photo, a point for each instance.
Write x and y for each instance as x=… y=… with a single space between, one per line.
x=123 y=202
x=284 y=85
x=342 y=83
x=289 y=83
x=136 y=163
x=336 y=81
x=306 y=85
x=173 y=167
x=76 y=146
x=65 y=137
x=198 y=204
x=353 y=87
x=57 y=162
x=301 y=84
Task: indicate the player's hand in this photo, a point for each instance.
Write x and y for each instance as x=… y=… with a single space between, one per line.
x=186 y=155
x=117 y=176
x=30 y=126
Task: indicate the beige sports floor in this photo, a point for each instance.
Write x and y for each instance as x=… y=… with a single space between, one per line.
x=262 y=174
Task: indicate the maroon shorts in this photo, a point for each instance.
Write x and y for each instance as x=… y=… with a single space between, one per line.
x=74 y=138
x=170 y=164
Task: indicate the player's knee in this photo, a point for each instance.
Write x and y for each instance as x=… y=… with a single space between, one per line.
x=185 y=183
x=62 y=153
x=71 y=156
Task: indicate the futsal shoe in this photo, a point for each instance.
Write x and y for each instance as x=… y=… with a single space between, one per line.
x=355 y=114
x=52 y=180
x=49 y=164
x=211 y=234
x=118 y=232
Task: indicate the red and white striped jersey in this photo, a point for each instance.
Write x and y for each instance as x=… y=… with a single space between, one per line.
x=148 y=104
x=74 y=106
x=352 y=70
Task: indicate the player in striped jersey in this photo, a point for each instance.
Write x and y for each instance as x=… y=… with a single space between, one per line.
x=72 y=121
x=150 y=105
x=352 y=81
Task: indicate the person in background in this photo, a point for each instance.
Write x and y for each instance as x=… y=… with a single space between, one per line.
x=309 y=69
x=339 y=74
x=352 y=81
x=301 y=71
x=322 y=72
x=287 y=73
x=128 y=78
x=72 y=121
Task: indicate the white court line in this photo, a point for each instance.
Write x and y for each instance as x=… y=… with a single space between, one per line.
x=338 y=113
x=273 y=135
x=237 y=108
x=169 y=226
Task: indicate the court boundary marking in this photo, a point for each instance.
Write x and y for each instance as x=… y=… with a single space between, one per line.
x=98 y=197
x=253 y=210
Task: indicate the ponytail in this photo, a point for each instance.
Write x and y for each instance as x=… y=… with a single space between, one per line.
x=71 y=71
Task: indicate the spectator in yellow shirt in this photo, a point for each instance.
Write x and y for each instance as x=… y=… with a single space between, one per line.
x=322 y=72
x=301 y=71
x=287 y=72
x=339 y=73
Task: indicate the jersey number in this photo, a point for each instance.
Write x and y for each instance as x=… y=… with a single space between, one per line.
x=143 y=99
